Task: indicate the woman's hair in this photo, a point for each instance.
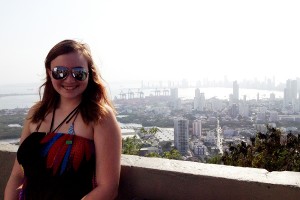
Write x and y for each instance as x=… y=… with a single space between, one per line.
x=94 y=98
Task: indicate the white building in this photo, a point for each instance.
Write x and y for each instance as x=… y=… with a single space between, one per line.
x=202 y=102
x=197 y=128
x=290 y=94
x=199 y=100
x=235 y=91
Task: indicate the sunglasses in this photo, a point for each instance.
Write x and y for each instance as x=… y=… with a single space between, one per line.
x=60 y=73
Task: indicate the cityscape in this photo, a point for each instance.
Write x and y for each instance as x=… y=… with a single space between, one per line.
x=201 y=128
x=199 y=125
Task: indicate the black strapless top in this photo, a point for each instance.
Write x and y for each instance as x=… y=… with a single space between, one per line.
x=57 y=166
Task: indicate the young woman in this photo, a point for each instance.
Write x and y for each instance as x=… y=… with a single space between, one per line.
x=70 y=146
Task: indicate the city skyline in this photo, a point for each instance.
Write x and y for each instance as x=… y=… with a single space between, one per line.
x=155 y=40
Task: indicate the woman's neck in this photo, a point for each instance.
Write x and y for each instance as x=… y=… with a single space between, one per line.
x=68 y=104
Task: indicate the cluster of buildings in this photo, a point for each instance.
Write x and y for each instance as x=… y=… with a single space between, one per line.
x=202 y=127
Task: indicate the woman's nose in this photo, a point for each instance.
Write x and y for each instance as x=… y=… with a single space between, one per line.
x=70 y=78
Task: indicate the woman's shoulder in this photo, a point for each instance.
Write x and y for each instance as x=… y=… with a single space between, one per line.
x=110 y=114
x=28 y=124
x=30 y=115
x=108 y=120
x=32 y=109
x=36 y=106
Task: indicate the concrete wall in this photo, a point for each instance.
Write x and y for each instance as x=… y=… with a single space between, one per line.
x=155 y=178
x=7 y=158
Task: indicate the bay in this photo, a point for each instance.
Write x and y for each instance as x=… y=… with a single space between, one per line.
x=27 y=94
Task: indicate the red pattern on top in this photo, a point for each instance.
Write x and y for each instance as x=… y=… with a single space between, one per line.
x=80 y=148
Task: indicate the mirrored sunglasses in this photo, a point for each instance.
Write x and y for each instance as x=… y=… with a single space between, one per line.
x=60 y=73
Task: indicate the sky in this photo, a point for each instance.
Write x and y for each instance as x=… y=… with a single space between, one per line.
x=155 y=39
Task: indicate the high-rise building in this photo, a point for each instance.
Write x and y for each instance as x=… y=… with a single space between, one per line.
x=294 y=91
x=234 y=111
x=235 y=91
x=175 y=101
x=197 y=126
x=197 y=99
x=197 y=93
x=286 y=97
x=202 y=101
x=181 y=135
x=290 y=94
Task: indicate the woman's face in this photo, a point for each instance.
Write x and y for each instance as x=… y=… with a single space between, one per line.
x=69 y=87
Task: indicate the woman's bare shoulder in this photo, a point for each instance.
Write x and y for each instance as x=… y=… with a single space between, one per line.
x=29 y=125
x=108 y=123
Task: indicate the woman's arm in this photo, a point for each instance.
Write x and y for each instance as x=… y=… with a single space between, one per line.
x=13 y=188
x=108 y=145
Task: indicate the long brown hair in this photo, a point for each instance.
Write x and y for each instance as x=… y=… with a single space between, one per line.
x=94 y=98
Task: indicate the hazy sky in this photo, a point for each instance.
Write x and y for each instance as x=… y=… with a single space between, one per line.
x=155 y=39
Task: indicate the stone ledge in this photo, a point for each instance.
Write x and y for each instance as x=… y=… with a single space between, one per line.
x=157 y=178
x=9 y=147
x=213 y=170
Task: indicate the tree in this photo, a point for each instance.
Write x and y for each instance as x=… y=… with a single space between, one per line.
x=271 y=151
x=131 y=145
x=152 y=131
x=173 y=154
x=166 y=146
x=215 y=160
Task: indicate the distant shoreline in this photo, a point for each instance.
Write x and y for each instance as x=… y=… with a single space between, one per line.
x=17 y=94
x=14 y=141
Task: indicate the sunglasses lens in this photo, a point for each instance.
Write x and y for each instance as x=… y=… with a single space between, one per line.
x=79 y=73
x=59 y=73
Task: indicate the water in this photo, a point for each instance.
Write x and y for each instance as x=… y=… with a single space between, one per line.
x=223 y=93
x=31 y=93
x=24 y=101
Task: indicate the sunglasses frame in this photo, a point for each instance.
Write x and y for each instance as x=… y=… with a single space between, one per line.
x=64 y=72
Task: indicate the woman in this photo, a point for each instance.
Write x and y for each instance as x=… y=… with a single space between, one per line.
x=70 y=146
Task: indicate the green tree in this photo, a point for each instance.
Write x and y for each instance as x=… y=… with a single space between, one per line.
x=152 y=131
x=215 y=160
x=173 y=154
x=131 y=145
x=271 y=151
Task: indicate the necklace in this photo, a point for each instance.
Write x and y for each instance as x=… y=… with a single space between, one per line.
x=67 y=118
